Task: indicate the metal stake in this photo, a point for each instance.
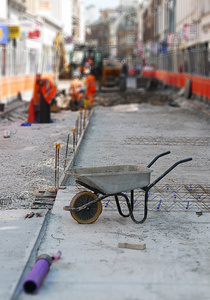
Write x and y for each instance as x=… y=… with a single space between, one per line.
x=84 y=120
x=67 y=146
x=80 y=126
x=74 y=141
x=57 y=167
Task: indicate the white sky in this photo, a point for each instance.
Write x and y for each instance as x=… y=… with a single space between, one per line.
x=100 y=4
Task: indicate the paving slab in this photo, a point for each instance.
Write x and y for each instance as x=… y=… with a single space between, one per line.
x=175 y=263
x=18 y=237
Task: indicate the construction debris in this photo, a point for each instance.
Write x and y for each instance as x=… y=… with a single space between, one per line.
x=133 y=96
x=6 y=134
x=29 y=216
x=44 y=200
x=140 y=246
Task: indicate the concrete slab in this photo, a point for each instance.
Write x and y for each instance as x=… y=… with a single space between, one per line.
x=18 y=236
x=175 y=261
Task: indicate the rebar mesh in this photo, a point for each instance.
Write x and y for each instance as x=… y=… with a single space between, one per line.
x=184 y=197
x=160 y=140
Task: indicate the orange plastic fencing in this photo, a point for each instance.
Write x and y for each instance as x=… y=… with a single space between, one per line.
x=200 y=85
x=11 y=86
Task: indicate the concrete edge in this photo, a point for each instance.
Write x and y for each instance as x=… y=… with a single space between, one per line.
x=64 y=177
x=196 y=107
x=12 y=106
x=32 y=258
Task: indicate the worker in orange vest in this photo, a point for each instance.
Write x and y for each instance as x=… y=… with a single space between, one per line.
x=43 y=96
x=76 y=91
x=90 y=86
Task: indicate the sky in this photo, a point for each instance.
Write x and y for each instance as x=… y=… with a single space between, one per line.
x=100 y=4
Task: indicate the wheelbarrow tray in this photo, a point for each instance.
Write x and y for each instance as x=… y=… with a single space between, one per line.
x=113 y=179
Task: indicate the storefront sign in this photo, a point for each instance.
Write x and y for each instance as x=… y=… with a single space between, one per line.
x=3 y=34
x=169 y=39
x=34 y=34
x=14 y=32
x=26 y=26
x=190 y=31
x=173 y=39
x=68 y=40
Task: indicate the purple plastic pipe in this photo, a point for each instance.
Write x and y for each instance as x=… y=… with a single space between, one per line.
x=34 y=280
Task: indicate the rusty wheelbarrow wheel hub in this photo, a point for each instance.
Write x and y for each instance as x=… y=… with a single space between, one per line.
x=89 y=214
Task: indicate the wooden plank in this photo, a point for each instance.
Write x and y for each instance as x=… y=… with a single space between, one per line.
x=140 y=246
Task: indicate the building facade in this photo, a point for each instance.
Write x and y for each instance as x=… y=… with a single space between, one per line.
x=127 y=36
x=30 y=31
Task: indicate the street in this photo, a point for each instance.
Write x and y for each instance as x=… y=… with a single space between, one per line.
x=104 y=141
x=92 y=266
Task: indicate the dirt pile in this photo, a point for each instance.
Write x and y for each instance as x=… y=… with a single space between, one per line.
x=109 y=98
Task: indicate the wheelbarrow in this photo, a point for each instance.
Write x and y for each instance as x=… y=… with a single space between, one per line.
x=85 y=207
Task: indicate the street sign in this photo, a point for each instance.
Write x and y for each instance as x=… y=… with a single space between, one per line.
x=3 y=34
x=14 y=32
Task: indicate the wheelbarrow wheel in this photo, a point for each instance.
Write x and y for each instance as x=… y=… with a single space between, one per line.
x=89 y=214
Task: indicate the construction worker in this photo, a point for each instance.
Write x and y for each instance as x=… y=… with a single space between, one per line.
x=43 y=96
x=90 y=86
x=76 y=92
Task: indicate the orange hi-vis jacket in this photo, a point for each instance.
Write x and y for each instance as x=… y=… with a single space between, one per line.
x=75 y=85
x=90 y=87
x=48 y=91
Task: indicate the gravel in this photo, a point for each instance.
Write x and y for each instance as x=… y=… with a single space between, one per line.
x=27 y=158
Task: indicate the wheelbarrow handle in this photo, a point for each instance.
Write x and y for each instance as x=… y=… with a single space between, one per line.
x=169 y=170
x=160 y=155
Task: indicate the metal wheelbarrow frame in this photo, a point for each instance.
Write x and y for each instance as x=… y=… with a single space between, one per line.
x=85 y=207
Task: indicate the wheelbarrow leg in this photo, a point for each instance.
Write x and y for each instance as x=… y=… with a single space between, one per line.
x=130 y=207
x=119 y=207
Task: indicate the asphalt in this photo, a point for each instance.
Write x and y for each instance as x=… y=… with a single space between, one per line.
x=175 y=263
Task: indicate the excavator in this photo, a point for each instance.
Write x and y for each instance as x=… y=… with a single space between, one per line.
x=108 y=73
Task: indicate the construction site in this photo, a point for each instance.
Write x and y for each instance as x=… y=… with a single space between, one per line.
x=104 y=139
x=146 y=240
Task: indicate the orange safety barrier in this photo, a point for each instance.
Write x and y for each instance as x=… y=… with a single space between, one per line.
x=11 y=86
x=200 y=85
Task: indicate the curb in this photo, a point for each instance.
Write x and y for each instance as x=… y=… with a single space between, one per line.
x=64 y=177
x=32 y=257
x=13 y=106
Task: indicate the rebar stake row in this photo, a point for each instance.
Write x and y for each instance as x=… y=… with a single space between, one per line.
x=80 y=125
